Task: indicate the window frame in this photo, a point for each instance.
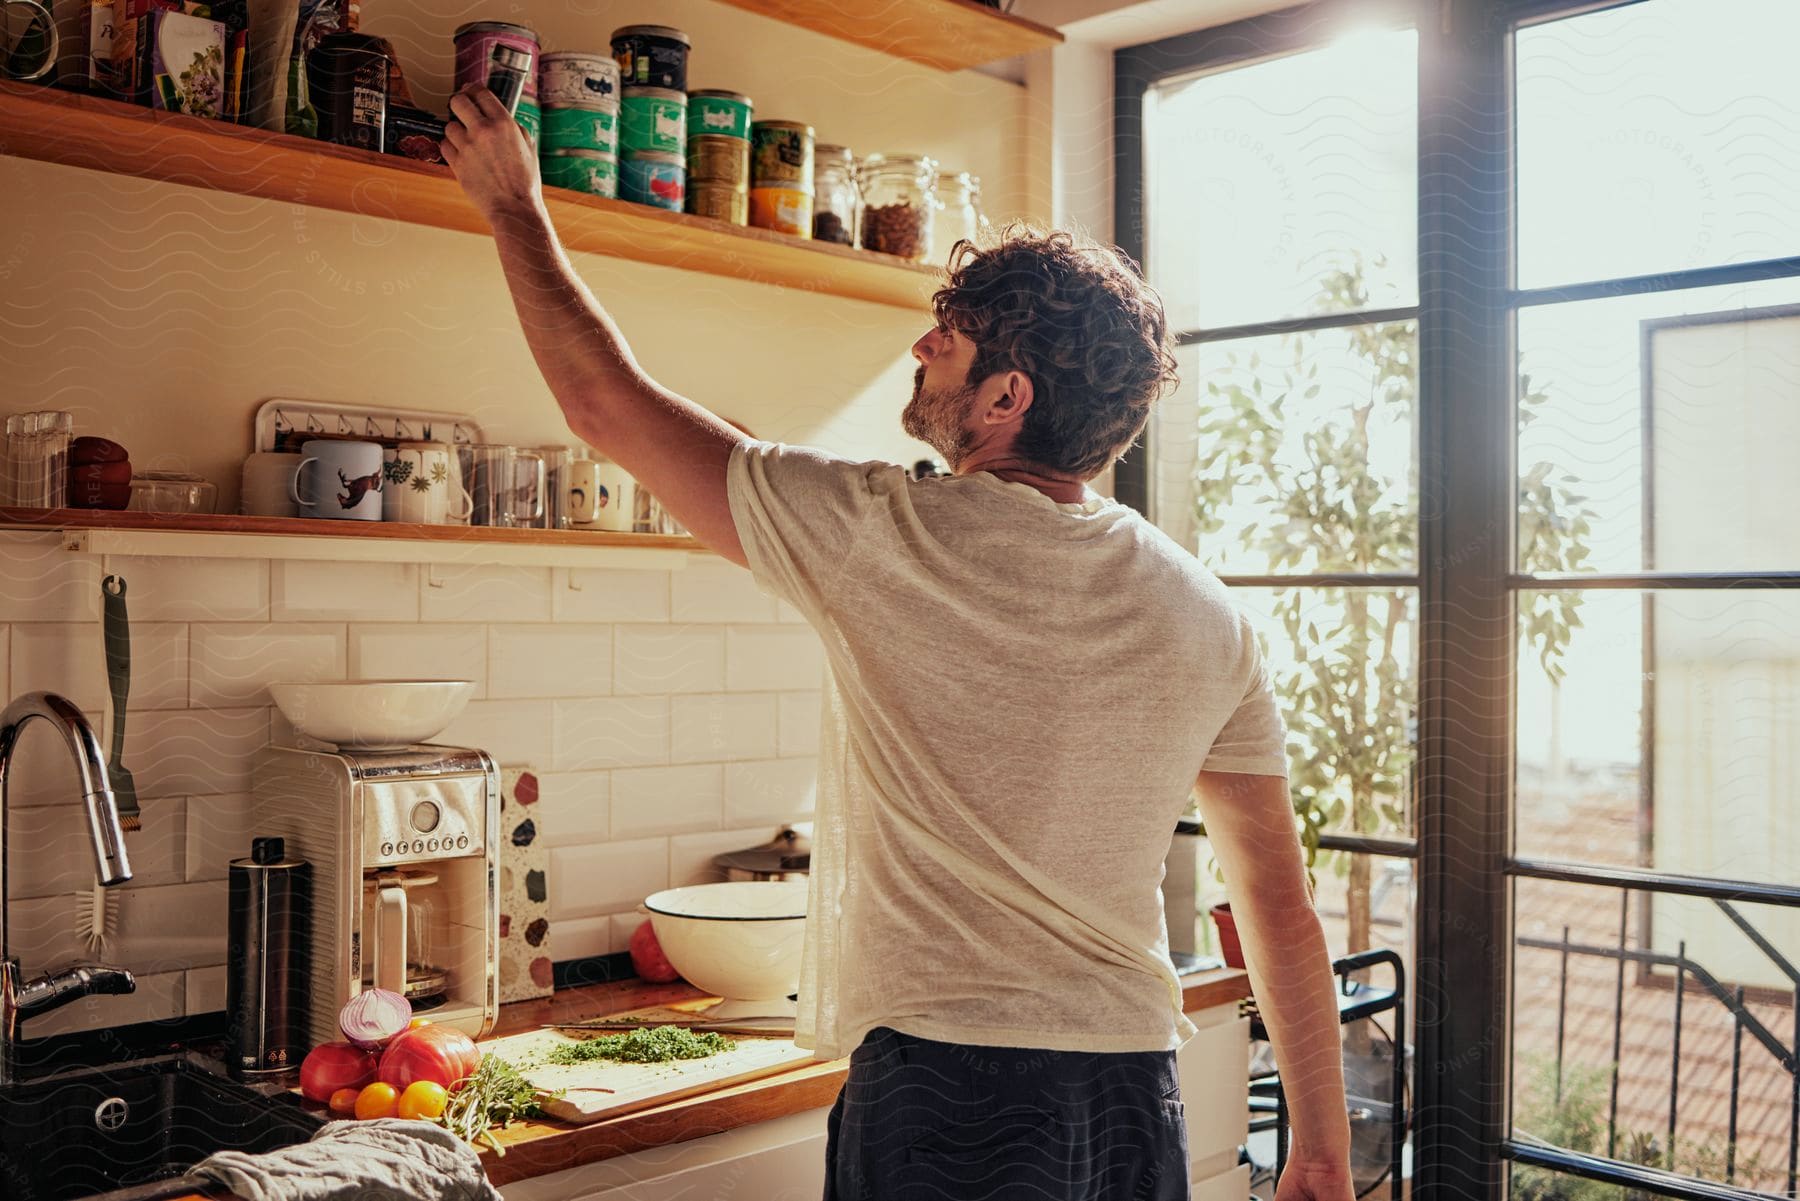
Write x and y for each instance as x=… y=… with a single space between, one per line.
x=1468 y=578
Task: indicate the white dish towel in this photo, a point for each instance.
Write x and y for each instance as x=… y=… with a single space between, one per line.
x=389 y=1159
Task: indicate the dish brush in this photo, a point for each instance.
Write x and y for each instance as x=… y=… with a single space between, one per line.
x=96 y=918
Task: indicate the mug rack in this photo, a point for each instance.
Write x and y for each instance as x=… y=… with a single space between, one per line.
x=283 y=423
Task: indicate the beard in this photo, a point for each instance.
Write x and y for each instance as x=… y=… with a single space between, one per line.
x=937 y=416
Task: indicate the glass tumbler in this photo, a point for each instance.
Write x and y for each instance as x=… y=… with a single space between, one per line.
x=35 y=472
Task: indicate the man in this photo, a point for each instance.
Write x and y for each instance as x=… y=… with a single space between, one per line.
x=1027 y=682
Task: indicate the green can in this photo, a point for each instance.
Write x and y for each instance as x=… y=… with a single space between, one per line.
x=530 y=119
x=653 y=119
x=581 y=170
x=580 y=129
x=714 y=112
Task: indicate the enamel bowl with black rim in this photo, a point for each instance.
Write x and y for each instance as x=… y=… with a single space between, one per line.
x=739 y=940
x=372 y=715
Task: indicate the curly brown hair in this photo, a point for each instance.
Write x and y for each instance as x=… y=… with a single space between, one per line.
x=1077 y=319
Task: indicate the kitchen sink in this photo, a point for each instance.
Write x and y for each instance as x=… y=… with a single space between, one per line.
x=127 y=1132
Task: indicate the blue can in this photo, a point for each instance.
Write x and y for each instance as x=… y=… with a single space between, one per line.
x=650 y=177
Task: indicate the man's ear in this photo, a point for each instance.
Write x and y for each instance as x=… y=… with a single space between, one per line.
x=1012 y=402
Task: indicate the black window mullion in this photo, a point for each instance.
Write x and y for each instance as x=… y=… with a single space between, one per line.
x=1296 y=325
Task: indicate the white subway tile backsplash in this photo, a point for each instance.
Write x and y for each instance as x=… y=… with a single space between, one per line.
x=515 y=733
x=158 y=997
x=69 y=658
x=42 y=772
x=610 y=594
x=219 y=829
x=800 y=716
x=166 y=928
x=161 y=589
x=777 y=790
x=666 y=800
x=595 y=880
x=235 y=664
x=194 y=751
x=624 y=925
x=787 y=613
x=307 y=591
x=206 y=990
x=575 y=809
x=625 y=731
x=762 y=657
x=582 y=937
x=562 y=660
x=484 y=593
x=420 y=651
x=691 y=855
x=711 y=728
x=668 y=659
x=43 y=582
x=712 y=589
x=51 y=853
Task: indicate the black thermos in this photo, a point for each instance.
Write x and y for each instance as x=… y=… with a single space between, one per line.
x=265 y=990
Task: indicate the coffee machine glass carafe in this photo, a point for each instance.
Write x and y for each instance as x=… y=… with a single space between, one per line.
x=401 y=916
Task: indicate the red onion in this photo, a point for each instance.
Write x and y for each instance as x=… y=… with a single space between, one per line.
x=373 y=1016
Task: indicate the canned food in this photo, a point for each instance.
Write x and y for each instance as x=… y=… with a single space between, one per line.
x=781 y=155
x=582 y=170
x=720 y=201
x=475 y=44
x=714 y=112
x=653 y=119
x=529 y=119
x=580 y=129
x=652 y=177
x=578 y=79
x=719 y=160
x=651 y=56
x=785 y=210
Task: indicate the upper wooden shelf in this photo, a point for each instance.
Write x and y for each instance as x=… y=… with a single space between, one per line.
x=229 y=536
x=107 y=135
x=946 y=34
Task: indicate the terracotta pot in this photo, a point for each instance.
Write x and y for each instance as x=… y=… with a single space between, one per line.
x=1228 y=936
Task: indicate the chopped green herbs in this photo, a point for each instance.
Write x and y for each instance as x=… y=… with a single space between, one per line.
x=654 y=1044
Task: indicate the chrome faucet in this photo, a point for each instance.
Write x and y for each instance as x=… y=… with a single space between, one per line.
x=20 y=998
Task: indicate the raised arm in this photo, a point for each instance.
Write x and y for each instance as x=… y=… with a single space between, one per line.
x=1250 y=825
x=671 y=445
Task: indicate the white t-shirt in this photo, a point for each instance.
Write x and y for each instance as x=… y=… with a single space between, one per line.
x=1020 y=694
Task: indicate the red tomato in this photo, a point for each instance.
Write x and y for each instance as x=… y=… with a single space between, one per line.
x=435 y=1053
x=647 y=958
x=331 y=1066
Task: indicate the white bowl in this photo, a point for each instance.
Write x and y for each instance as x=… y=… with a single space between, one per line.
x=740 y=940
x=372 y=714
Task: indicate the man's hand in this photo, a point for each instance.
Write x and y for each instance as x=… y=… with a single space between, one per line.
x=1311 y=1178
x=491 y=156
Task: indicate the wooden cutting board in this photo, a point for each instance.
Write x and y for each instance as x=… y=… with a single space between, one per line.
x=637 y=1085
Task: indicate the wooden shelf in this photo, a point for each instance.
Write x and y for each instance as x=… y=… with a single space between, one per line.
x=221 y=536
x=107 y=135
x=946 y=34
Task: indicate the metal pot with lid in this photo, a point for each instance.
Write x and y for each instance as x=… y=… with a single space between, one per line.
x=788 y=857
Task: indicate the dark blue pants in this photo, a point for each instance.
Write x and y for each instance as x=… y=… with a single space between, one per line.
x=920 y=1120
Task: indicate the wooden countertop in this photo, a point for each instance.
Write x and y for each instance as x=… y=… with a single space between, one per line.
x=536 y=1148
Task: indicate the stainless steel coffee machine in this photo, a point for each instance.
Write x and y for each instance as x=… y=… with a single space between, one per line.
x=405 y=850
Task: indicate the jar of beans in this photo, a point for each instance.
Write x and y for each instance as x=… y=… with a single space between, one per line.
x=835 y=200
x=900 y=203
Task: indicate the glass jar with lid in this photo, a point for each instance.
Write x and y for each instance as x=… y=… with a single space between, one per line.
x=899 y=194
x=960 y=214
x=835 y=198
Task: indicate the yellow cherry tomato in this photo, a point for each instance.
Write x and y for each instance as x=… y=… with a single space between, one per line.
x=378 y=1100
x=423 y=1099
x=417 y=1022
x=344 y=1100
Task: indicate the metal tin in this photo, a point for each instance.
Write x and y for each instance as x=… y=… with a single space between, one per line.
x=650 y=177
x=578 y=78
x=530 y=119
x=785 y=210
x=651 y=56
x=653 y=119
x=719 y=160
x=475 y=44
x=581 y=170
x=781 y=155
x=508 y=69
x=267 y=934
x=713 y=112
x=720 y=201
x=347 y=74
x=580 y=129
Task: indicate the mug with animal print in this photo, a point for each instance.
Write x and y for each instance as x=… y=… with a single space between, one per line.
x=339 y=479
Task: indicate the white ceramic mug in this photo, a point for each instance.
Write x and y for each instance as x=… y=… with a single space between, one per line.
x=339 y=480
x=419 y=485
x=601 y=495
x=268 y=485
